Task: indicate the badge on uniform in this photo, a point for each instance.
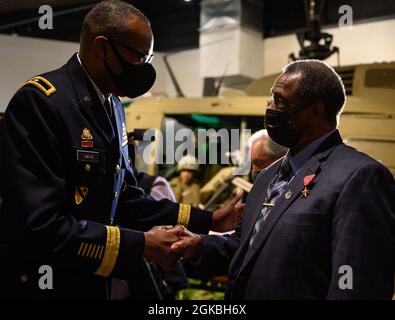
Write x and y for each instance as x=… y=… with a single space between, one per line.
x=124 y=135
x=288 y=195
x=80 y=194
x=306 y=182
x=88 y=156
x=86 y=139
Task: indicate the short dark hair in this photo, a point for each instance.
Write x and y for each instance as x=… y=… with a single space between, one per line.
x=319 y=82
x=108 y=18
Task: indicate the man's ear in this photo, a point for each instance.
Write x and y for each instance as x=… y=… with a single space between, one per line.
x=318 y=109
x=100 y=44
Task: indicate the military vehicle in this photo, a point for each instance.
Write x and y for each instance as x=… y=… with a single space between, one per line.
x=367 y=121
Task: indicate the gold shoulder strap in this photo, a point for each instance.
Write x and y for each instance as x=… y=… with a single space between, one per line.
x=42 y=84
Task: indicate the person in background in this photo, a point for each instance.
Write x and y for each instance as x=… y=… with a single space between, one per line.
x=264 y=151
x=185 y=188
x=156 y=186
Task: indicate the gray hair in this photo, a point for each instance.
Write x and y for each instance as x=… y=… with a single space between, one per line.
x=319 y=82
x=273 y=149
x=108 y=18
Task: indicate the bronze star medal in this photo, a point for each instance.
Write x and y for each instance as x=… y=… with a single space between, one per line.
x=305 y=192
x=306 y=182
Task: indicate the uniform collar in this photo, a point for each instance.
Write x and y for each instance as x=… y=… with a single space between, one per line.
x=298 y=160
x=100 y=95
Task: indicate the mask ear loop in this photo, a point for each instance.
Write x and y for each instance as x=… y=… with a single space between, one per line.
x=112 y=74
x=297 y=111
x=301 y=109
x=109 y=70
x=113 y=47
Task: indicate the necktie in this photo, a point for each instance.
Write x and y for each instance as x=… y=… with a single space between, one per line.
x=273 y=192
x=108 y=107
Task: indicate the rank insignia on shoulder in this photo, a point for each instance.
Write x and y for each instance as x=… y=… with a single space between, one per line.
x=42 y=84
x=80 y=194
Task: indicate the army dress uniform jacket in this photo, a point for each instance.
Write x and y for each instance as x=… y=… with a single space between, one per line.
x=336 y=240
x=71 y=199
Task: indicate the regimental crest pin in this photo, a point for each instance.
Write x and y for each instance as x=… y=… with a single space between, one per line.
x=86 y=134
x=80 y=194
x=87 y=139
x=288 y=195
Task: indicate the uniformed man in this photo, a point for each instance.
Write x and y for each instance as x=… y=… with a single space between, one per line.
x=184 y=186
x=70 y=198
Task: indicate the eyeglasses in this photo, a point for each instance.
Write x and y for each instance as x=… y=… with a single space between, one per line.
x=282 y=105
x=143 y=57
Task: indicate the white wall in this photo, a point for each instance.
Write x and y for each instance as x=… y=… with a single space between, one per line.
x=361 y=43
x=185 y=65
x=21 y=58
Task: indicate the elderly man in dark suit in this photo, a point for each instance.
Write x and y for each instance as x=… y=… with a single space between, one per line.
x=320 y=222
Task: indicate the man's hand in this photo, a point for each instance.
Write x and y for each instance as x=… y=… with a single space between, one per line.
x=190 y=244
x=157 y=245
x=226 y=218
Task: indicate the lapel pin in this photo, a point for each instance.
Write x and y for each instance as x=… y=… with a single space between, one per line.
x=307 y=180
x=268 y=205
x=87 y=99
x=288 y=195
x=80 y=194
x=87 y=139
x=305 y=192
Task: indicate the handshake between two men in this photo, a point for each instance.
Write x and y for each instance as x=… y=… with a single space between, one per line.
x=165 y=245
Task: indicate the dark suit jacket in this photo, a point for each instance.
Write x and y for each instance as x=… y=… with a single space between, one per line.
x=44 y=163
x=348 y=219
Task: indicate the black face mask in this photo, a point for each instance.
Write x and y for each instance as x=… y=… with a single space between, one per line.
x=135 y=79
x=278 y=126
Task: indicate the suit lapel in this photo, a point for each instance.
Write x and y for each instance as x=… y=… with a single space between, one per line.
x=96 y=114
x=312 y=166
x=88 y=100
x=295 y=187
x=254 y=205
x=118 y=121
x=261 y=186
